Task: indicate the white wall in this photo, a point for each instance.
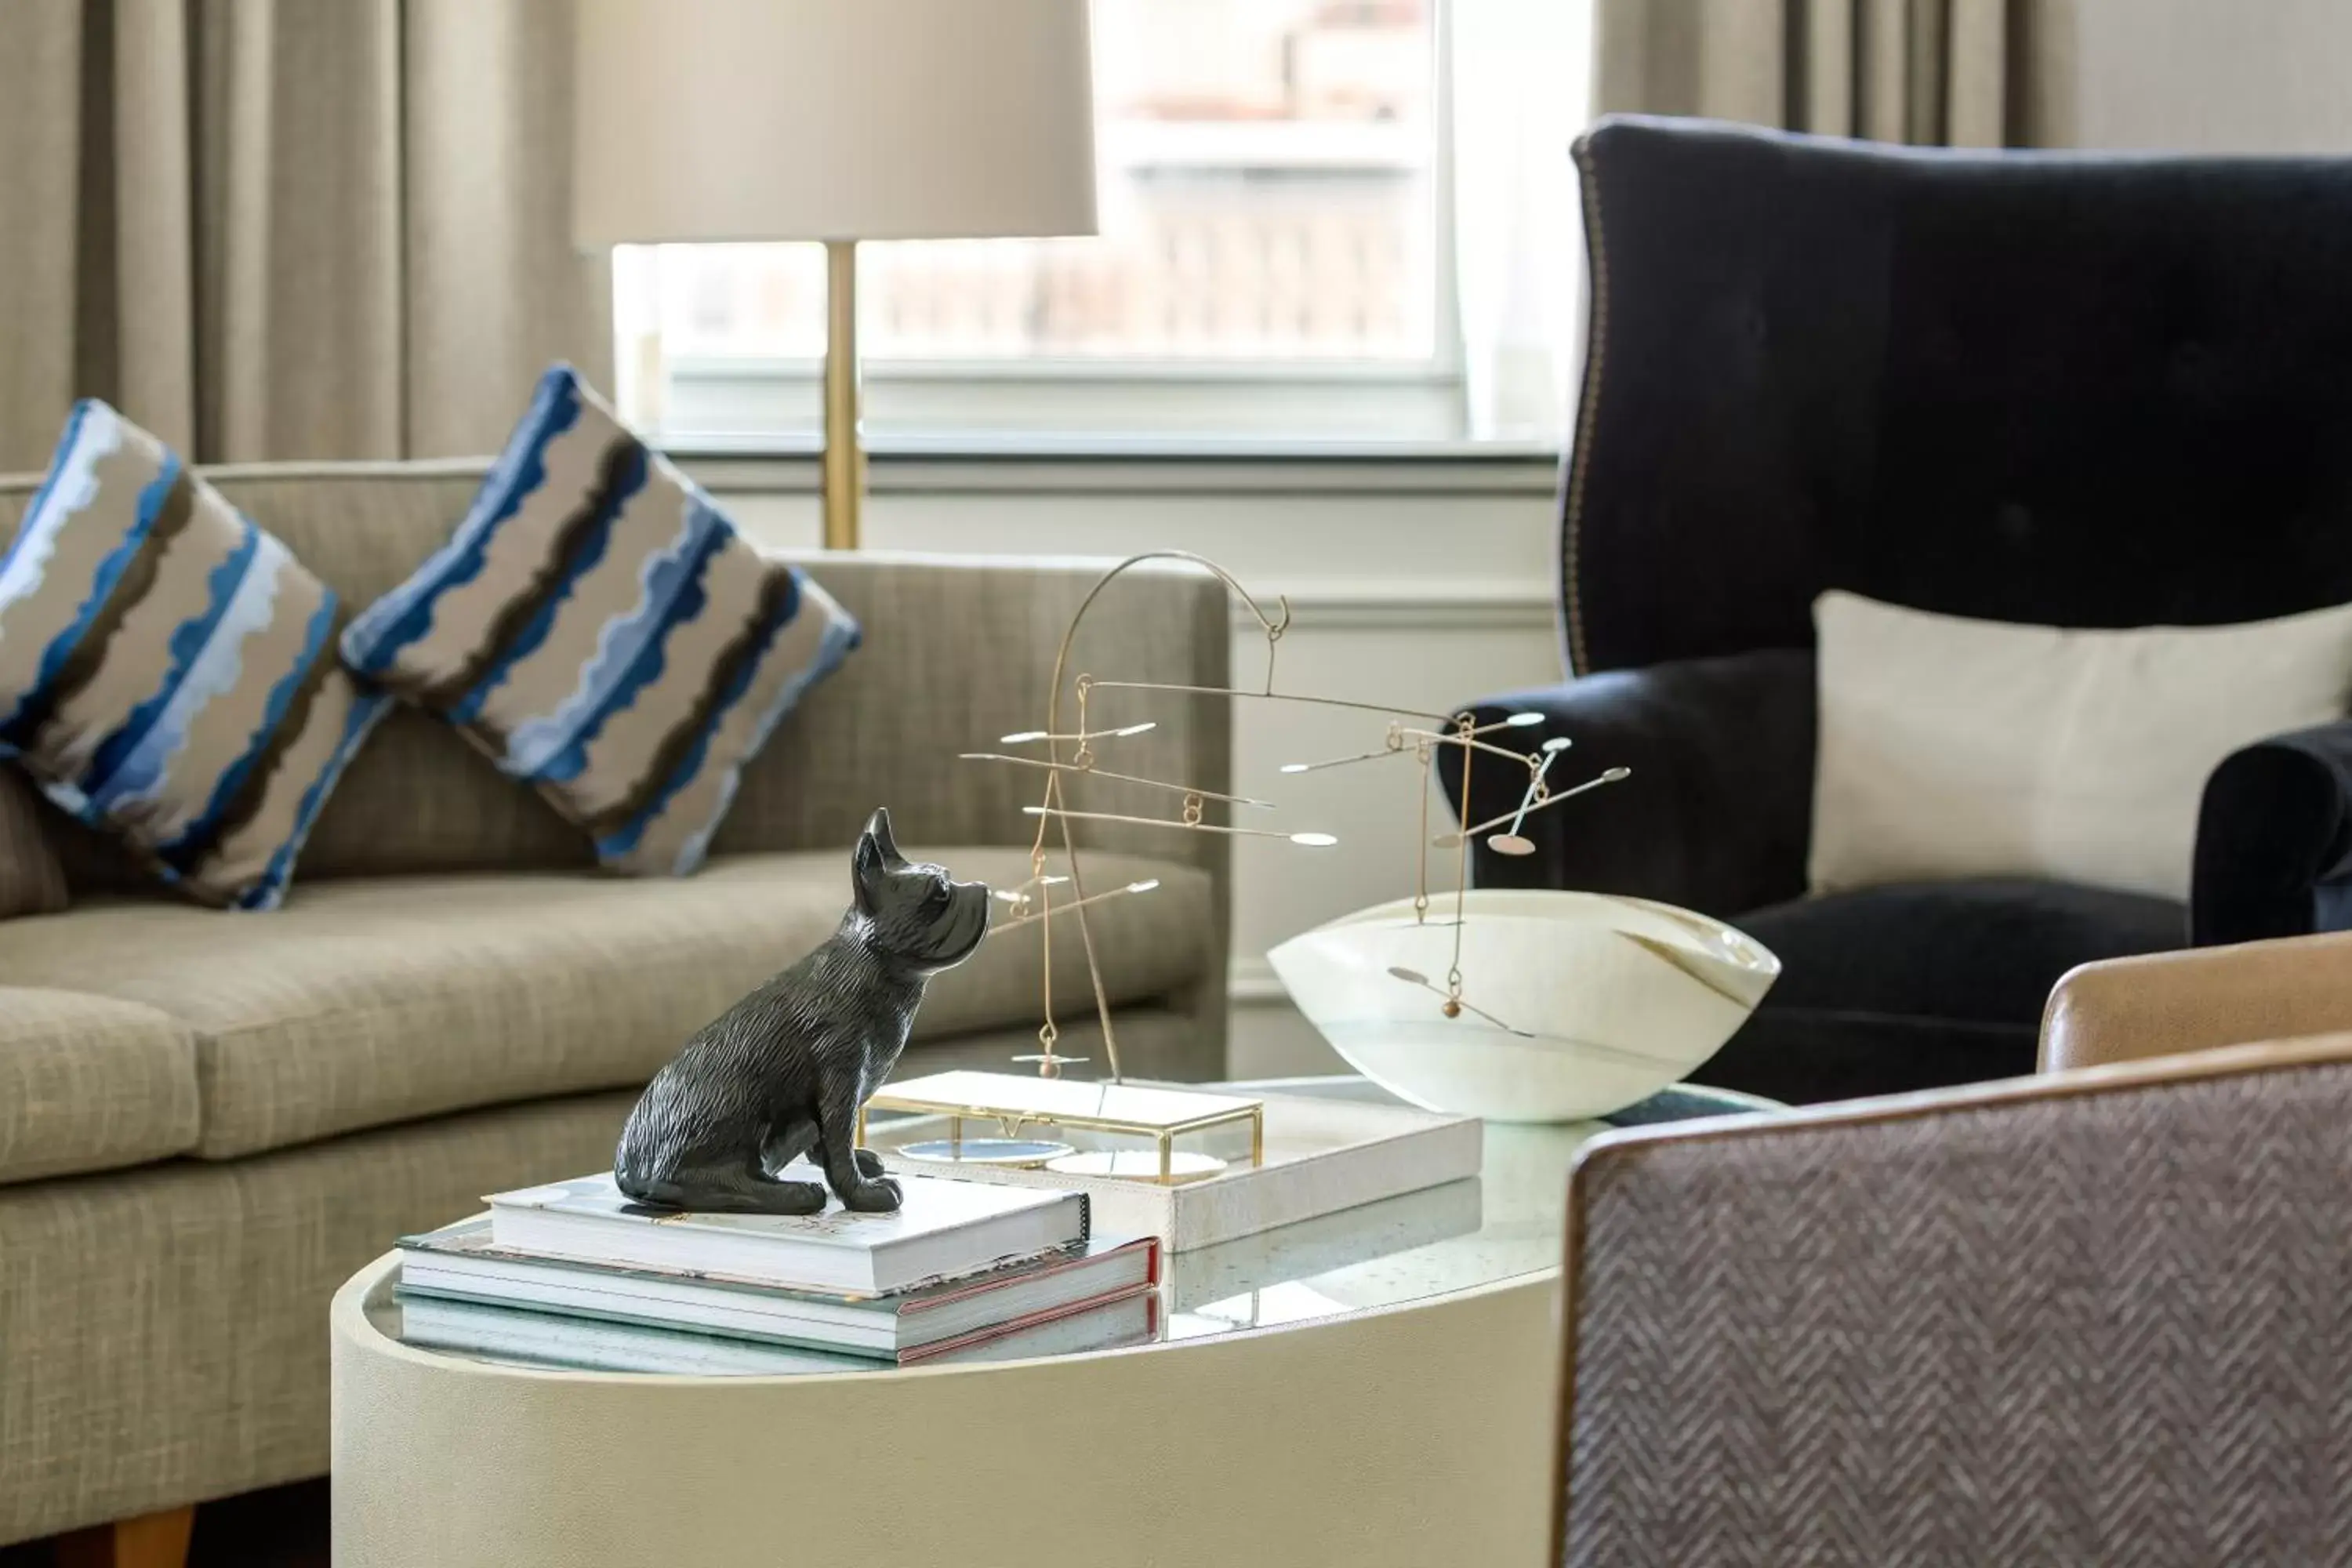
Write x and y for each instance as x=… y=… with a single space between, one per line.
x=1424 y=582
x=2202 y=76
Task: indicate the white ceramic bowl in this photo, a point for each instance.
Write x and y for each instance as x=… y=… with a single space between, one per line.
x=1596 y=1002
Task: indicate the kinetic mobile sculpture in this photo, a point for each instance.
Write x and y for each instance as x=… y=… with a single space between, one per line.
x=1410 y=733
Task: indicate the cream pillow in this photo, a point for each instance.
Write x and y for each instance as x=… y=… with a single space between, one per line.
x=1953 y=748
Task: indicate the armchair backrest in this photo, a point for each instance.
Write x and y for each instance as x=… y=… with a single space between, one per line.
x=2098 y=1317
x=2061 y=388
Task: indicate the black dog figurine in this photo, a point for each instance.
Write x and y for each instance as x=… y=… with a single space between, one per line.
x=783 y=1072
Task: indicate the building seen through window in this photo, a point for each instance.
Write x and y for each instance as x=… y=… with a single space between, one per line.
x=1266 y=195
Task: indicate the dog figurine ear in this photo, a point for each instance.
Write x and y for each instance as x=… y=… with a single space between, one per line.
x=878 y=829
x=876 y=854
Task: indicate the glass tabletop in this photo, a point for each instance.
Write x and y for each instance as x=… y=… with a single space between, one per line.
x=1504 y=1224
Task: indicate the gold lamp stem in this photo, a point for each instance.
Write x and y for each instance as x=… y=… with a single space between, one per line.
x=845 y=458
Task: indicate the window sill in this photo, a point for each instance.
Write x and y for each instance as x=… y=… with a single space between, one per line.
x=1030 y=463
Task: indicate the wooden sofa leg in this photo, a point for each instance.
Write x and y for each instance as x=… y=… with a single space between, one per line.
x=151 y=1540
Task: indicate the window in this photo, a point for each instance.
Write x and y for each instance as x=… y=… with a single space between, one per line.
x=1275 y=259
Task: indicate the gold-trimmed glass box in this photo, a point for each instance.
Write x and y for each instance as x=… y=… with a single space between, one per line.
x=1151 y=1119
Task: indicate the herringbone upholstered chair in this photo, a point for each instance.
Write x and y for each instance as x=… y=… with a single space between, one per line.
x=2100 y=1317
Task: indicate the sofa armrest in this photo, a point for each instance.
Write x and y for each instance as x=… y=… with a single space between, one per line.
x=957 y=652
x=1754 y=1306
x=1718 y=811
x=2274 y=839
x=2163 y=1003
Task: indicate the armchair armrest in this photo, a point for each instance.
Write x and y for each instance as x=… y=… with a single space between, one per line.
x=2274 y=839
x=1718 y=811
x=957 y=652
x=1786 y=1335
x=2163 y=1003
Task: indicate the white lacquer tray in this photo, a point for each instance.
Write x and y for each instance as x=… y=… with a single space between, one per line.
x=1321 y=1156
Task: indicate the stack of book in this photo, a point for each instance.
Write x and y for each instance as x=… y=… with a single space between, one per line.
x=575 y=1275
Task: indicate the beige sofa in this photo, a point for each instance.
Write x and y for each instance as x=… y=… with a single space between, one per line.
x=207 y=1120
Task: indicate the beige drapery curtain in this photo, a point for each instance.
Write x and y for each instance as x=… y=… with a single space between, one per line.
x=1923 y=71
x=289 y=228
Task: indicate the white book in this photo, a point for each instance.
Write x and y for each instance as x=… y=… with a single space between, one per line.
x=1271 y=1258
x=941 y=1229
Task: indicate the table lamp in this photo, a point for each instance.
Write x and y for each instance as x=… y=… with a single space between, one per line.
x=839 y=120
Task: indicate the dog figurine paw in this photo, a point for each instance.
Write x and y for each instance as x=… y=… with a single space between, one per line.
x=783 y=1072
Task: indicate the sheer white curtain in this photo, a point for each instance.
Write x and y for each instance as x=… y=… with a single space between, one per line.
x=1524 y=76
x=1519 y=76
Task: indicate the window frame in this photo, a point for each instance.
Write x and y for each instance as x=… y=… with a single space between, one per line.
x=731 y=400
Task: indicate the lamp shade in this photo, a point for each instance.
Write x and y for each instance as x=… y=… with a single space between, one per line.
x=836 y=120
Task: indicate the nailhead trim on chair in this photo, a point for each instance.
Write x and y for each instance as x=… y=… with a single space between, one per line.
x=1596 y=338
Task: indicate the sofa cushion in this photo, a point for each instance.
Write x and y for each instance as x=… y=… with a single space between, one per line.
x=1918 y=986
x=91 y=1083
x=379 y=1000
x=598 y=627
x=163 y=1331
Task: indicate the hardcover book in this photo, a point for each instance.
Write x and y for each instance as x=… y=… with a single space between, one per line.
x=537 y=1339
x=464 y=1262
x=941 y=1229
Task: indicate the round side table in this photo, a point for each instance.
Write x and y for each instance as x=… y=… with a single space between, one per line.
x=1413 y=1435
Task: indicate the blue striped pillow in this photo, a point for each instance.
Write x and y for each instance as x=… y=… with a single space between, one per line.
x=167 y=669
x=599 y=629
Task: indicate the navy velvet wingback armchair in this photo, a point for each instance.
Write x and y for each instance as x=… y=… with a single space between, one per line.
x=2050 y=388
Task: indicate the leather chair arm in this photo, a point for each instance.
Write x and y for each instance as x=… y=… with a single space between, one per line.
x=2166 y=1003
